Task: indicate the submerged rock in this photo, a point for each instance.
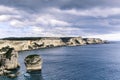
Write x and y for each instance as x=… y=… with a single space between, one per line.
x=13 y=75
x=33 y=75
x=33 y=63
x=7 y=72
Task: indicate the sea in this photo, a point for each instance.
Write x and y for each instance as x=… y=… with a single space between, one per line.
x=89 y=62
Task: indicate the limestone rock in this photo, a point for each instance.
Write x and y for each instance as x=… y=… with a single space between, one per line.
x=94 y=41
x=76 y=41
x=45 y=42
x=33 y=63
x=8 y=59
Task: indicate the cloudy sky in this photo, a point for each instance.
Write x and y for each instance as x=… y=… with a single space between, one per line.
x=36 y=18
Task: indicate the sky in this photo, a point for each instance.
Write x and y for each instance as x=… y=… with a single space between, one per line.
x=60 y=18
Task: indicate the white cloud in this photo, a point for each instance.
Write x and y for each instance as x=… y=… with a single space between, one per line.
x=67 y=28
x=49 y=20
x=17 y=23
x=41 y=24
x=37 y=29
x=4 y=17
x=9 y=10
x=19 y=18
x=8 y=13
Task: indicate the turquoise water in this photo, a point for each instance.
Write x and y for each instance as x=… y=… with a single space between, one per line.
x=90 y=62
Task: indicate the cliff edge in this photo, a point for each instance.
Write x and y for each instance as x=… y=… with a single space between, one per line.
x=21 y=44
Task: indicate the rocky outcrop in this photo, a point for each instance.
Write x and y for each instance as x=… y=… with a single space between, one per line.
x=8 y=60
x=94 y=41
x=76 y=41
x=45 y=42
x=21 y=44
x=33 y=63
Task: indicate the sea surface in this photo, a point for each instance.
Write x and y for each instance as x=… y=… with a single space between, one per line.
x=90 y=62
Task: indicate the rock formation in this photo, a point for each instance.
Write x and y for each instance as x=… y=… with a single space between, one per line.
x=45 y=42
x=76 y=41
x=8 y=60
x=94 y=41
x=33 y=63
x=9 y=56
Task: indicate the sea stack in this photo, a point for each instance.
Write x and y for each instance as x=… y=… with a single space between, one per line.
x=33 y=63
x=8 y=60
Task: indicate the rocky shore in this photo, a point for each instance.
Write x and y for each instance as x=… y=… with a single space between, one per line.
x=9 y=48
x=20 y=44
x=9 y=65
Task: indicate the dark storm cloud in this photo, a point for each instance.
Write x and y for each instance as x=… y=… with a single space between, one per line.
x=38 y=5
x=32 y=5
x=84 y=4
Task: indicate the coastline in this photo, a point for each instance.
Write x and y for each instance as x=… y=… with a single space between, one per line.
x=25 y=44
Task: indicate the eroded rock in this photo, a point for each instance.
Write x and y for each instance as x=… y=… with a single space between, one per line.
x=33 y=63
x=76 y=41
x=8 y=60
x=21 y=44
x=94 y=41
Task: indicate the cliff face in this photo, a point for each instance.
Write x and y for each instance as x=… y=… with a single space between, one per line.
x=94 y=41
x=28 y=44
x=76 y=41
x=8 y=59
